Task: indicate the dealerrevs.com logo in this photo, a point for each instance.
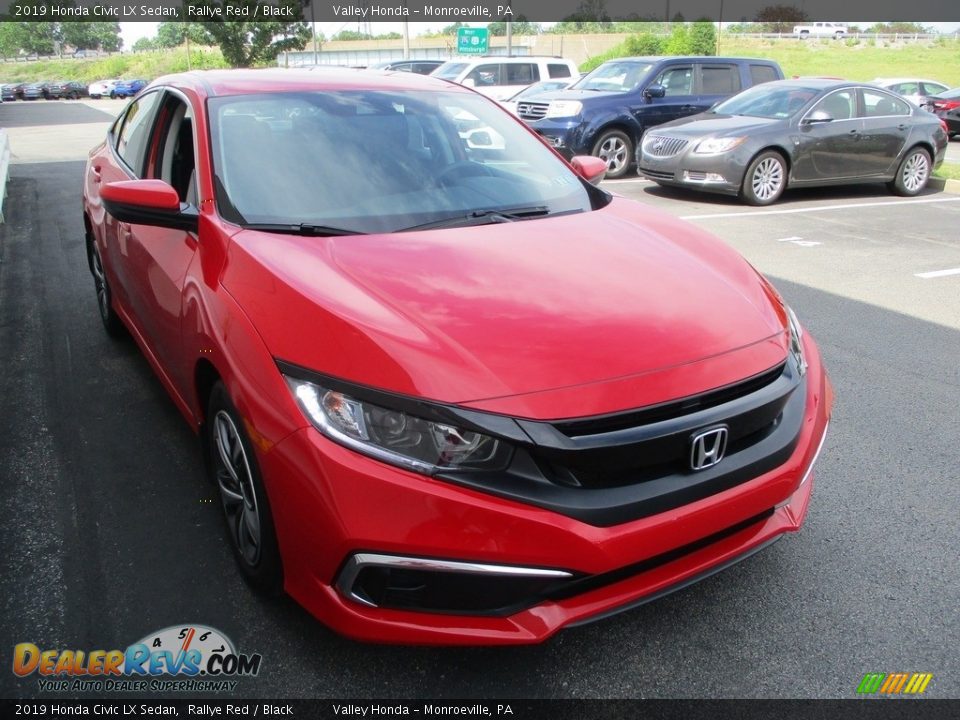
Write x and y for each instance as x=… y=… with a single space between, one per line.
x=178 y=658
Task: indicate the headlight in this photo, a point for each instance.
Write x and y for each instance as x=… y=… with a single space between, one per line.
x=715 y=146
x=796 y=340
x=394 y=436
x=563 y=108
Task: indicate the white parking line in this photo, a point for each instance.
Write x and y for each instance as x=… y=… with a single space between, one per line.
x=794 y=211
x=937 y=273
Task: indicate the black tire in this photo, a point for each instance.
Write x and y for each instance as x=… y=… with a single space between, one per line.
x=616 y=149
x=804 y=35
x=765 y=179
x=111 y=321
x=246 y=509
x=913 y=174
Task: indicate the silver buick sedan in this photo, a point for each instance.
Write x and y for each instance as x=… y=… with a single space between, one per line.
x=796 y=133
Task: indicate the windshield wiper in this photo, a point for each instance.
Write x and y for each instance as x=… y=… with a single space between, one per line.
x=302 y=229
x=483 y=217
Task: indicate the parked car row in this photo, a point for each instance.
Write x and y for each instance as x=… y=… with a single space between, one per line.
x=71 y=90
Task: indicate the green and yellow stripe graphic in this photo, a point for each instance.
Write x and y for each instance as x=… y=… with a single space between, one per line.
x=894 y=683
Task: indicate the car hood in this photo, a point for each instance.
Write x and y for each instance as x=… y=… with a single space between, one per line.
x=553 y=317
x=707 y=123
x=584 y=96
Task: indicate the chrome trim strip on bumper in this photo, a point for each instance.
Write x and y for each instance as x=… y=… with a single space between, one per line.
x=357 y=562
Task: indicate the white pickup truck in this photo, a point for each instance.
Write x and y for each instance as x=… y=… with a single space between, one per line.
x=820 y=29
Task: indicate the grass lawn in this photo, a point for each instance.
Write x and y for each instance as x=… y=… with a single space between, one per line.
x=950 y=171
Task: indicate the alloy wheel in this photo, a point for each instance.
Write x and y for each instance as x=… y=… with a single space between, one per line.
x=915 y=172
x=767 y=178
x=614 y=153
x=100 y=282
x=236 y=488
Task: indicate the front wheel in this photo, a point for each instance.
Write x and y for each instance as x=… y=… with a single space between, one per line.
x=616 y=149
x=765 y=179
x=245 y=505
x=913 y=173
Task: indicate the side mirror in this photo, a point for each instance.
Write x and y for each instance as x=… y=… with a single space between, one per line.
x=654 y=91
x=149 y=202
x=817 y=117
x=590 y=168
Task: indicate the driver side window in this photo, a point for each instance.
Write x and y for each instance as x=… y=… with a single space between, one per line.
x=677 y=80
x=175 y=162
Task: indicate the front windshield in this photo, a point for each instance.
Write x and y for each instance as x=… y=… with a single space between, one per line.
x=449 y=70
x=766 y=101
x=368 y=161
x=615 y=77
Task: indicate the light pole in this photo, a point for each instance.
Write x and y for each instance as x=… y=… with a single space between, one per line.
x=313 y=26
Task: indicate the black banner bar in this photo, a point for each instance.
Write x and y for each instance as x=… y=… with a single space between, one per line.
x=862 y=709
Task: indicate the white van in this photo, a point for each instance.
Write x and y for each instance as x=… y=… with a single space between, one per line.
x=500 y=77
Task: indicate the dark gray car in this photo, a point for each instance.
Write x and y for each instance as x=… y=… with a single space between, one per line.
x=797 y=133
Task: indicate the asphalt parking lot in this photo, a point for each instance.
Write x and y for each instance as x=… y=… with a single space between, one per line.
x=112 y=531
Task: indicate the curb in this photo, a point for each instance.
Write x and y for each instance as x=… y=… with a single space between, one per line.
x=945 y=185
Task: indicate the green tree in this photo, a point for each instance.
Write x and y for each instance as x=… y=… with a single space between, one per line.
x=352 y=35
x=175 y=34
x=521 y=26
x=645 y=43
x=11 y=39
x=703 y=38
x=143 y=44
x=92 y=35
x=244 y=44
x=679 y=41
x=780 y=18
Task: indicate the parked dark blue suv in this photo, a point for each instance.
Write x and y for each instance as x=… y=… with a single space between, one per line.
x=606 y=112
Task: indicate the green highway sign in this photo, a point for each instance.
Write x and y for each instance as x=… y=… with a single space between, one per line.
x=472 y=41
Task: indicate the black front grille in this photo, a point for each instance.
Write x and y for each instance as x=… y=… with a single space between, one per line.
x=669 y=410
x=616 y=468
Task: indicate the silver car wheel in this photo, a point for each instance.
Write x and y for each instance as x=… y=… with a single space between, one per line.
x=915 y=172
x=767 y=179
x=100 y=282
x=614 y=153
x=236 y=488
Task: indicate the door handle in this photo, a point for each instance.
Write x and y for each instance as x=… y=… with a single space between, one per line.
x=95 y=172
x=902 y=126
x=855 y=134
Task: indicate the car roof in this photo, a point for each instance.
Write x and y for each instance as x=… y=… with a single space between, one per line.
x=687 y=58
x=906 y=79
x=216 y=83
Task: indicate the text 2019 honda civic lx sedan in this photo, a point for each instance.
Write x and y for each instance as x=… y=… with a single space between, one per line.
x=450 y=392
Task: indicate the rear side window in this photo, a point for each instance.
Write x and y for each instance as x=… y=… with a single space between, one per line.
x=719 y=79
x=557 y=70
x=677 y=80
x=134 y=134
x=880 y=104
x=762 y=73
x=907 y=88
x=520 y=73
x=932 y=88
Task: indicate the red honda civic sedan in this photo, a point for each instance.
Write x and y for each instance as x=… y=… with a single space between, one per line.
x=449 y=390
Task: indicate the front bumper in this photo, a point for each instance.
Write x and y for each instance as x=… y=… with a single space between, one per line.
x=331 y=505
x=710 y=173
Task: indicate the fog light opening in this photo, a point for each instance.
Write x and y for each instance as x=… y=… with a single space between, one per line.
x=443 y=586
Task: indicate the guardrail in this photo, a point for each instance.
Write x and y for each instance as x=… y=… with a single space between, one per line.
x=4 y=168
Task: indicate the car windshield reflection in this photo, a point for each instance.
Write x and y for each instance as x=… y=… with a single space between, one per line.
x=374 y=161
